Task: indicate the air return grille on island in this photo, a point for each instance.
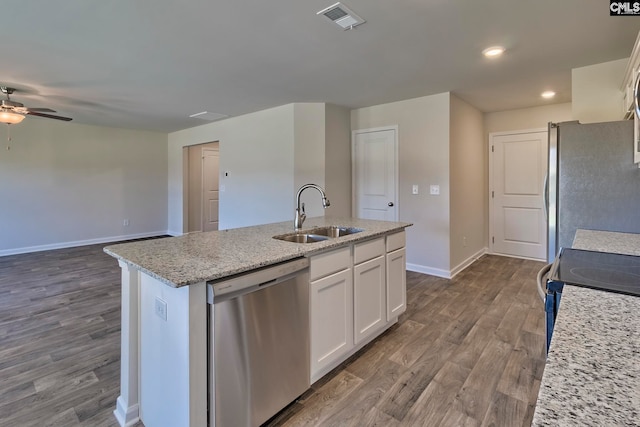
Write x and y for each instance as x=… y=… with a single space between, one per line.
x=342 y=16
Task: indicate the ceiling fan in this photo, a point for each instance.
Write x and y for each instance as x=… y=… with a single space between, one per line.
x=12 y=112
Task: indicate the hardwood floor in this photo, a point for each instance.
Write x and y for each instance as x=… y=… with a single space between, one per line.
x=468 y=351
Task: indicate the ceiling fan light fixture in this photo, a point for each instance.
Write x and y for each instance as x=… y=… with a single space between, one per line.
x=10 y=118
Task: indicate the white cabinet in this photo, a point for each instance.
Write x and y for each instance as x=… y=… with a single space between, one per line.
x=369 y=289
x=331 y=310
x=356 y=292
x=396 y=283
x=396 y=275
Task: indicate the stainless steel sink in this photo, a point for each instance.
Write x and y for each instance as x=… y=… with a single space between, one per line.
x=301 y=238
x=335 y=231
x=318 y=234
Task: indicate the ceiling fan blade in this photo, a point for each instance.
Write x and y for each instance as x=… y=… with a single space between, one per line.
x=48 y=116
x=41 y=110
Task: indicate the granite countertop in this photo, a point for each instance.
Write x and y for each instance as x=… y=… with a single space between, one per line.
x=592 y=374
x=197 y=257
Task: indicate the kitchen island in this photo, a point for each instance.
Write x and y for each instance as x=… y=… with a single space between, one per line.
x=592 y=373
x=164 y=305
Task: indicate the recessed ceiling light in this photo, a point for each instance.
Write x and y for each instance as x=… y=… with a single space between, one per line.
x=548 y=94
x=493 y=51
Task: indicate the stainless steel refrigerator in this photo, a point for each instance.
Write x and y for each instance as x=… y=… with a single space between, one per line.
x=592 y=181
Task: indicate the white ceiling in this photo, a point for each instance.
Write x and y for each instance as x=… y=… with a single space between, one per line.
x=149 y=64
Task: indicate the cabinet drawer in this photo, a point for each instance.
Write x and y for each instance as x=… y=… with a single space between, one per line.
x=396 y=241
x=329 y=262
x=368 y=250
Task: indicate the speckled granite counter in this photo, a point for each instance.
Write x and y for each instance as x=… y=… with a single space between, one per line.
x=197 y=257
x=592 y=374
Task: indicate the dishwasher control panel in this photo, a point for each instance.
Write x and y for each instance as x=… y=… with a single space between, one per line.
x=265 y=276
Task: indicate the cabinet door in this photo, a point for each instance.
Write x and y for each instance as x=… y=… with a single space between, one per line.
x=369 y=299
x=396 y=283
x=331 y=320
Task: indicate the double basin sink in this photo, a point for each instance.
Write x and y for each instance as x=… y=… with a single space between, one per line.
x=318 y=234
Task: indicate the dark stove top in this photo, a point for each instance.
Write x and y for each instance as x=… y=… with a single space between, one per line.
x=598 y=270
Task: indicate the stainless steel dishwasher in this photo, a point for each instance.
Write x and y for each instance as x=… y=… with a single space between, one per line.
x=258 y=343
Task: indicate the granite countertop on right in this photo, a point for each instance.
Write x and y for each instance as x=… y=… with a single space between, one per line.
x=592 y=374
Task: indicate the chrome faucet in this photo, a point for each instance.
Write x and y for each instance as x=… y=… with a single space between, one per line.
x=300 y=215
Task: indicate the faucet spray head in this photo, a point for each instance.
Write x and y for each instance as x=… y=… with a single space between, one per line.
x=325 y=202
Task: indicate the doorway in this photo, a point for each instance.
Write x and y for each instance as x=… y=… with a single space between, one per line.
x=202 y=162
x=517 y=170
x=375 y=173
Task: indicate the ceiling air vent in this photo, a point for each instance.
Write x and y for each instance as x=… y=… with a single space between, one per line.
x=210 y=117
x=342 y=16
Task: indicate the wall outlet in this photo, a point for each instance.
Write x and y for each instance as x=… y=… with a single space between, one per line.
x=161 y=308
x=414 y=190
x=434 y=190
x=125 y=222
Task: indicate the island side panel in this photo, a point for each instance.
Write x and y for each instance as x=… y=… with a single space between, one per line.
x=127 y=410
x=173 y=354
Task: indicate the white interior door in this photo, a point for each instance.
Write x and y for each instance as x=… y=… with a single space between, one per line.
x=375 y=154
x=210 y=189
x=518 y=168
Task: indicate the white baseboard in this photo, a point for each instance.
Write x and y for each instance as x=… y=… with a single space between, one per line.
x=175 y=233
x=126 y=416
x=517 y=256
x=29 y=249
x=438 y=272
x=429 y=270
x=467 y=262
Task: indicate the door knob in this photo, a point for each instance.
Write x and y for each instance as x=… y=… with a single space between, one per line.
x=390 y=204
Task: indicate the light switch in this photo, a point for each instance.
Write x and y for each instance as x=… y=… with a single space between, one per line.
x=434 y=190
x=414 y=190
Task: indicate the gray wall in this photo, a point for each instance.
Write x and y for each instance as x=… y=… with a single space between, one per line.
x=309 y=157
x=257 y=152
x=337 y=169
x=423 y=140
x=469 y=184
x=66 y=184
x=268 y=155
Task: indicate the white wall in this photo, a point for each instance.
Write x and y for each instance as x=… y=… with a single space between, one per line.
x=267 y=156
x=309 y=157
x=423 y=139
x=595 y=91
x=468 y=165
x=526 y=118
x=338 y=160
x=257 y=152
x=67 y=184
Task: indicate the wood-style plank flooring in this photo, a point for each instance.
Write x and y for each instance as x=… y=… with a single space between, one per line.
x=468 y=351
